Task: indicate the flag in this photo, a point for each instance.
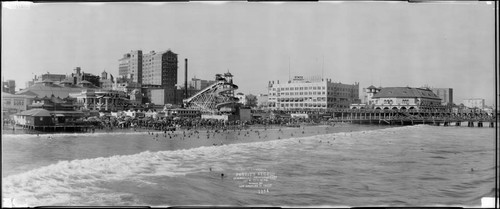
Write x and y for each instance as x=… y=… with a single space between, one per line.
x=112 y=79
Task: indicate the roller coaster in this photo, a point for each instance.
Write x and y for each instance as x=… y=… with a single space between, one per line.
x=216 y=97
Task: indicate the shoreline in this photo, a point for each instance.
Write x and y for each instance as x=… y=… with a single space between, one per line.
x=27 y=132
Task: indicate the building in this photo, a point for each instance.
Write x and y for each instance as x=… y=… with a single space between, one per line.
x=53 y=103
x=241 y=98
x=368 y=93
x=199 y=84
x=400 y=98
x=9 y=86
x=159 y=68
x=159 y=77
x=49 y=112
x=47 y=88
x=78 y=76
x=130 y=66
x=12 y=103
x=124 y=66
x=135 y=69
x=184 y=113
x=262 y=100
x=53 y=77
x=29 y=83
x=474 y=103
x=101 y=100
x=315 y=95
x=48 y=76
x=246 y=99
x=106 y=82
x=446 y=95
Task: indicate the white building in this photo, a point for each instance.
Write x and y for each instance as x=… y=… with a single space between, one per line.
x=102 y=100
x=474 y=103
x=303 y=95
x=12 y=103
x=400 y=98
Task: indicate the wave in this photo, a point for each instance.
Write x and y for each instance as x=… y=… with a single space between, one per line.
x=49 y=184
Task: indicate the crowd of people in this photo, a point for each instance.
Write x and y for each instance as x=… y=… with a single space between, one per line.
x=169 y=124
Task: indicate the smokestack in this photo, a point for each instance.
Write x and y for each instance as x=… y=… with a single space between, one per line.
x=186 y=80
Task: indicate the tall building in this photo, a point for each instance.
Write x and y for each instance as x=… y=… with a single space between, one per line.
x=302 y=94
x=159 y=68
x=159 y=77
x=446 y=95
x=474 y=103
x=130 y=66
x=152 y=68
x=124 y=66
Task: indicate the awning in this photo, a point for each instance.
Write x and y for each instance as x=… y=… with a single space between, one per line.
x=60 y=115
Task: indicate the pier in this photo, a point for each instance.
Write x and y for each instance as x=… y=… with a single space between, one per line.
x=63 y=128
x=59 y=128
x=409 y=117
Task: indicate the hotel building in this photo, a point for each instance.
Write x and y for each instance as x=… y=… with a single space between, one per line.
x=159 y=68
x=159 y=77
x=130 y=66
x=300 y=94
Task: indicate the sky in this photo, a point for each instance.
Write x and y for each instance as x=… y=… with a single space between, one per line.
x=389 y=44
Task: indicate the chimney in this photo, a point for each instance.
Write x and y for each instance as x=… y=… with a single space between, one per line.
x=186 y=80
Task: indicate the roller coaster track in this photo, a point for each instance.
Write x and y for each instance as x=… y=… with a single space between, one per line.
x=212 y=98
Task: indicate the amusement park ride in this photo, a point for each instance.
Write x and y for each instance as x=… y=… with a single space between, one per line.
x=216 y=98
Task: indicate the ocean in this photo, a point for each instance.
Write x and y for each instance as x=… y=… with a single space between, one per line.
x=346 y=165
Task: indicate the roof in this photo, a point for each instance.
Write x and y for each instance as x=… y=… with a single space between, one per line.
x=372 y=87
x=36 y=112
x=405 y=92
x=7 y=95
x=42 y=90
x=66 y=81
x=84 y=81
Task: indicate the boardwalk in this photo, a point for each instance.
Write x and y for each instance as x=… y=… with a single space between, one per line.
x=412 y=117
